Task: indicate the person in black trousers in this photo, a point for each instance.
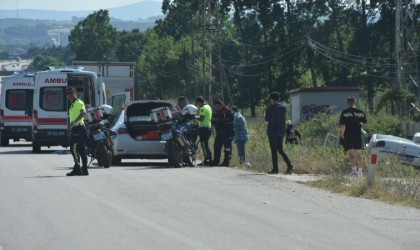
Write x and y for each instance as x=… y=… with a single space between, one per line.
x=77 y=133
x=222 y=120
x=204 y=130
x=275 y=115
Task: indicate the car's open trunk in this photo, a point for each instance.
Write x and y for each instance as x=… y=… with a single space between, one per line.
x=139 y=123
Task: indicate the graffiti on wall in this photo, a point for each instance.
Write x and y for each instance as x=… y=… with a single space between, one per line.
x=313 y=109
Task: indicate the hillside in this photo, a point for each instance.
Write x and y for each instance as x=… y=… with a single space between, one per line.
x=138 y=11
x=24 y=33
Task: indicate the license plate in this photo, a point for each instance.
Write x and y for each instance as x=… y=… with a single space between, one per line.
x=166 y=136
x=98 y=137
x=19 y=130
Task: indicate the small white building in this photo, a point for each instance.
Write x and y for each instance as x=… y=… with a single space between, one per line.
x=307 y=102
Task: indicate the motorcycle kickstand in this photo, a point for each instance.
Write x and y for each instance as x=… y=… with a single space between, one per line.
x=90 y=162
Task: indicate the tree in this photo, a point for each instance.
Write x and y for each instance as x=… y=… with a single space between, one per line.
x=130 y=45
x=41 y=62
x=180 y=19
x=159 y=67
x=94 y=38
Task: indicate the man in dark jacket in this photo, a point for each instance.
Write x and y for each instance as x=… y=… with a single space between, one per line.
x=275 y=115
x=222 y=121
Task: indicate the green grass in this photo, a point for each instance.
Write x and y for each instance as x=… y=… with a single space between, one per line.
x=395 y=183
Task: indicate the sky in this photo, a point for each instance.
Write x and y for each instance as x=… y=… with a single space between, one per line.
x=66 y=5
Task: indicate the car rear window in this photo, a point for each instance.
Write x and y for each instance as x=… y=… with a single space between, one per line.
x=53 y=98
x=18 y=99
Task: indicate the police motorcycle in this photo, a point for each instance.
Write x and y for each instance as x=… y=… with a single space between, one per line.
x=99 y=144
x=180 y=135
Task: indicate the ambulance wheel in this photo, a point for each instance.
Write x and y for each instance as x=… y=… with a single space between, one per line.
x=4 y=141
x=36 y=148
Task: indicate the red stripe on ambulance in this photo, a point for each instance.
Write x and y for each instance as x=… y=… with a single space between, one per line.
x=12 y=118
x=52 y=121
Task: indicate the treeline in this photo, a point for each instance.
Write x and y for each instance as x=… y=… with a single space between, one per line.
x=260 y=46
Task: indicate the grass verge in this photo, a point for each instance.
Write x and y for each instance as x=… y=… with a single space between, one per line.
x=395 y=183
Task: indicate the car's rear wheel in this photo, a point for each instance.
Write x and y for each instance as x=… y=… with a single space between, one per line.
x=116 y=160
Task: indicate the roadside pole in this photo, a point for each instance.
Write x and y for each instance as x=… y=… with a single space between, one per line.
x=372 y=166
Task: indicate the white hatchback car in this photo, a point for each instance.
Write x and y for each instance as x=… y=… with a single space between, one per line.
x=393 y=145
x=135 y=135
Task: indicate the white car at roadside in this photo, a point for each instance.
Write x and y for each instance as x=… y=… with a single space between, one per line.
x=407 y=150
x=135 y=135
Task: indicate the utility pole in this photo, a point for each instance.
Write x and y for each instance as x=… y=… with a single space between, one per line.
x=405 y=49
x=207 y=45
x=209 y=32
x=398 y=38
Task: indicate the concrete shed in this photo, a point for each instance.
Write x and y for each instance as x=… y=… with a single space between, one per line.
x=307 y=102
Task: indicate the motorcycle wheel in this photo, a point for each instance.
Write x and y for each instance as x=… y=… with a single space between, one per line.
x=102 y=155
x=191 y=157
x=175 y=154
x=109 y=150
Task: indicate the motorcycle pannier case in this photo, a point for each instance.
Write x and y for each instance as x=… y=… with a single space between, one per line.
x=160 y=114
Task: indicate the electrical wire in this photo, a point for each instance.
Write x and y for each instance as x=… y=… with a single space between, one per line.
x=369 y=66
x=267 y=60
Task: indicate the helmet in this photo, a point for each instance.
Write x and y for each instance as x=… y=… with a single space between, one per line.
x=106 y=109
x=289 y=122
x=189 y=110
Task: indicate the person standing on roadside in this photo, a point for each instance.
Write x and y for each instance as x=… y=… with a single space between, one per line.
x=241 y=133
x=78 y=134
x=223 y=123
x=204 y=130
x=351 y=121
x=275 y=115
x=182 y=102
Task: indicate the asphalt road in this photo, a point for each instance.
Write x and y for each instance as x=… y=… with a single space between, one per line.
x=144 y=205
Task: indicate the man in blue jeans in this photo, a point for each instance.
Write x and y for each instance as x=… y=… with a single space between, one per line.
x=275 y=115
x=241 y=133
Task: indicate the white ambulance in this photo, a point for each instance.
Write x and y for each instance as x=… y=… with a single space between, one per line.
x=50 y=106
x=15 y=108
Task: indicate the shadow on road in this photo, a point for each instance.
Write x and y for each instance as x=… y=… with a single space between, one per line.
x=44 y=176
x=29 y=151
x=17 y=145
x=16 y=152
x=143 y=165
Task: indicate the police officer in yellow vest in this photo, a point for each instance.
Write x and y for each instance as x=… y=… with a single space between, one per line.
x=204 y=122
x=77 y=113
